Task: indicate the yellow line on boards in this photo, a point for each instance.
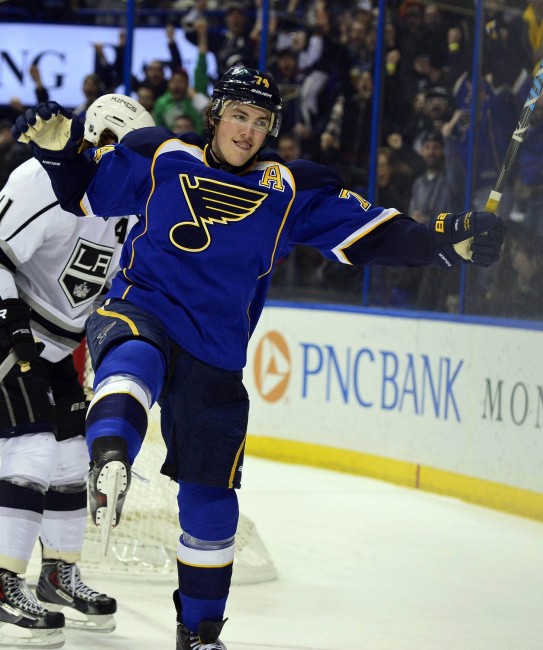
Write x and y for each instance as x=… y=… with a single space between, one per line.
x=475 y=490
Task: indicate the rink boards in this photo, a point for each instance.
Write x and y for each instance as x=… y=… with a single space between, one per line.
x=448 y=406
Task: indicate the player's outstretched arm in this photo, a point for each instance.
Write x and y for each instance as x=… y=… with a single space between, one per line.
x=56 y=137
x=473 y=237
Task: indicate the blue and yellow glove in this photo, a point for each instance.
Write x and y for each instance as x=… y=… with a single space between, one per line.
x=474 y=237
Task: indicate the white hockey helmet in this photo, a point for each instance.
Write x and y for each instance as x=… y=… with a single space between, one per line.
x=118 y=113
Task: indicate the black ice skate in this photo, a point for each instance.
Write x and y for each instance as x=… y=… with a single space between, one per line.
x=206 y=639
x=23 y=622
x=60 y=586
x=109 y=480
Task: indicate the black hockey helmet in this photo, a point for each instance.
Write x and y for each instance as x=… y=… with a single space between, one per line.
x=248 y=86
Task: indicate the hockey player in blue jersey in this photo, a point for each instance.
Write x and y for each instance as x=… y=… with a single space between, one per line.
x=215 y=215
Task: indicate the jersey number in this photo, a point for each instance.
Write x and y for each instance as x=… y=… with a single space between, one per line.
x=120 y=230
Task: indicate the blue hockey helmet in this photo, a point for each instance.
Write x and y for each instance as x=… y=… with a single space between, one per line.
x=248 y=86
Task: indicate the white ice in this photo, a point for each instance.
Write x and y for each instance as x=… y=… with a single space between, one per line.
x=363 y=565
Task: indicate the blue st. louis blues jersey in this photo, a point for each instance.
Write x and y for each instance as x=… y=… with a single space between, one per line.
x=202 y=254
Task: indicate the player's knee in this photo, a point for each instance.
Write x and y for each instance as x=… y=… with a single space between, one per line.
x=69 y=499
x=123 y=396
x=68 y=488
x=205 y=544
x=29 y=460
x=140 y=360
x=207 y=513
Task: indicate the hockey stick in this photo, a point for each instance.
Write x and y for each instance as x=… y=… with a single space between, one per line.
x=9 y=362
x=516 y=140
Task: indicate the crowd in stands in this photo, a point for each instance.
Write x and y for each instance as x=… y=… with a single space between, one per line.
x=322 y=54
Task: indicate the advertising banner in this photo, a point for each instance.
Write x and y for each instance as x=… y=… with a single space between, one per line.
x=65 y=54
x=459 y=397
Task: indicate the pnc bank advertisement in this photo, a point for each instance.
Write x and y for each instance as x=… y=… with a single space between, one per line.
x=461 y=397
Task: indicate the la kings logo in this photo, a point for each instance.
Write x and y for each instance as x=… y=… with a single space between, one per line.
x=84 y=276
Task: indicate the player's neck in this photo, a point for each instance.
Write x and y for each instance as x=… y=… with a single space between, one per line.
x=214 y=161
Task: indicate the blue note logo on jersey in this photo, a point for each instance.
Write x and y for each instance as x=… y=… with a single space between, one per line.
x=211 y=202
x=84 y=276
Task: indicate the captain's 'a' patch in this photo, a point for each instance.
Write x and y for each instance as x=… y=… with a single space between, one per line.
x=84 y=276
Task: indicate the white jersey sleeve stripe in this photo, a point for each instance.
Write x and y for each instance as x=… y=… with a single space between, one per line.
x=385 y=215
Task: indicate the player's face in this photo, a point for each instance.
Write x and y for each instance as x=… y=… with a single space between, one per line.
x=240 y=133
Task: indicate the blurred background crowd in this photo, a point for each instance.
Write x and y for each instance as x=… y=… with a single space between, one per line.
x=418 y=151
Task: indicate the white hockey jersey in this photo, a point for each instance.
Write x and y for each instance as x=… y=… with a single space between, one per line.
x=59 y=264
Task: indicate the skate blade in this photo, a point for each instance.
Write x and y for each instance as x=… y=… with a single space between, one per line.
x=13 y=636
x=97 y=623
x=112 y=482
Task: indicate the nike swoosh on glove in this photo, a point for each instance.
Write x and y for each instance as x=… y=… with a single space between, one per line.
x=475 y=237
x=54 y=133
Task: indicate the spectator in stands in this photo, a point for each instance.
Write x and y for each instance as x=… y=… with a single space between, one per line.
x=363 y=11
x=289 y=77
x=418 y=121
x=430 y=192
x=391 y=182
x=41 y=92
x=426 y=74
x=146 y=97
x=412 y=39
x=93 y=87
x=529 y=188
x=232 y=44
x=354 y=40
x=506 y=51
x=324 y=63
x=437 y=25
x=255 y=35
x=155 y=72
x=437 y=111
x=155 y=77
x=183 y=124
x=497 y=117
x=520 y=295
x=197 y=11
x=533 y=35
x=288 y=147
x=111 y=74
x=179 y=100
x=346 y=136
x=12 y=153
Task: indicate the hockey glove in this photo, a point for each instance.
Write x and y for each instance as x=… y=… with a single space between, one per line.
x=54 y=133
x=15 y=332
x=475 y=237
